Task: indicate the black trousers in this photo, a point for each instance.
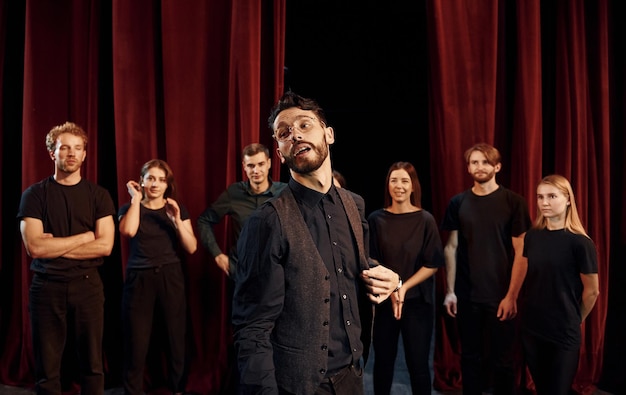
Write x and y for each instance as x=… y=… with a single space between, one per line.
x=487 y=345
x=145 y=291
x=55 y=307
x=416 y=326
x=348 y=381
x=551 y=366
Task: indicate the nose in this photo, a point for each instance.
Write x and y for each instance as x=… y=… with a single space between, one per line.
x=295 y=136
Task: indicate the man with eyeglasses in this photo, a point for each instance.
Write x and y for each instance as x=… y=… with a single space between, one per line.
x=304 y=288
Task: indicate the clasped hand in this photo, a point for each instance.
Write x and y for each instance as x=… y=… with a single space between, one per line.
x=380 y=282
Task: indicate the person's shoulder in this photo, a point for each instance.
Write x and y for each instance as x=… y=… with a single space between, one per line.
x=266 y=213
x=238 y=186
x=427 y=214
x=510 y=193
x=376 y=213
x=457 y=198
x=38 y=185
x=580 y=238
x=277 y=186
x=358 y=199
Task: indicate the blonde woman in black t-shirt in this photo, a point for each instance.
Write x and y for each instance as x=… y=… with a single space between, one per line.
x=561 y=287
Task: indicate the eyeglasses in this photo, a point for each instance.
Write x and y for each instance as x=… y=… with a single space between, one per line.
x=304 y=124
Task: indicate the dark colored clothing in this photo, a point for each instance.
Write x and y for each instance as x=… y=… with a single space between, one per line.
x=81 y=298
x=65 y=211
x=487 y=348
x=156 y=242
x=154 y=284
x=348 y=381
x=66 y=292
x=405 y=243
x=484 y=259
x=551 y=318
x=238 y=201
x=552 y=367
x=486 y=225
x=298 y=294
x=416 y=327
x=145 y=291
x=553 y=288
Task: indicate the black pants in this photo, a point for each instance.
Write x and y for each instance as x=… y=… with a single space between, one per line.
x=487 y=345
x=349 y=381
x=416 y=326
x=551 y=366
x=145 y=291
x=55 y=307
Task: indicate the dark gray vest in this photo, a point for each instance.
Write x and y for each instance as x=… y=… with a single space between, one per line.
x=299 y=335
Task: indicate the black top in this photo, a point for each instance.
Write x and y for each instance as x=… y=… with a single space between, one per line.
x=156 y=242
x=486 y=226
x=238 y=201
x=404 y=243
x=65 y=210
x=553 y=287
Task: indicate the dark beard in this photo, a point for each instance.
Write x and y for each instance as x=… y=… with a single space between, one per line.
x=308 y=166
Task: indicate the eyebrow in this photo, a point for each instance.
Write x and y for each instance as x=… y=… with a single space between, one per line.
x=297 y=117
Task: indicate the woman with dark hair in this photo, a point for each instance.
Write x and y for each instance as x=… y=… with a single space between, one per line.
x=160 y=232
x=561 y=287
x=405 y=238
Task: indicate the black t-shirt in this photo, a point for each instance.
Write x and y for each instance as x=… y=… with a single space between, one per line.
x=485 y=224
x=404 y=243
x=156 y=243
x=553 y=287
x=65 y=210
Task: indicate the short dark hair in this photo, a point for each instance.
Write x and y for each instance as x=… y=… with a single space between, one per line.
x=290 y=100
x=253 y=149
x=491 y=153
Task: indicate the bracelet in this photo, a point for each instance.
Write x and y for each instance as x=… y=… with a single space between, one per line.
x=399 y=284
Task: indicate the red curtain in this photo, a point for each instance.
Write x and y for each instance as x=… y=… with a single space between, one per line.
x=192 y=82
x=468 y=56
x=187 y=82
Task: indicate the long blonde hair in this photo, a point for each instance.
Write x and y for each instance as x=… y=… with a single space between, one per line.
x=572 y=220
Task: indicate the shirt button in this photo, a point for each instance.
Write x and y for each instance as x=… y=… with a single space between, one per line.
x=322 y=371
x=344 y=297
x=325 y=323
x=324 y=347
x=326 y=300
x=348 y=323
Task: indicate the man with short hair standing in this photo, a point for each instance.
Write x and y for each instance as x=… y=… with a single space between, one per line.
x=485 y=270
x=67 y=228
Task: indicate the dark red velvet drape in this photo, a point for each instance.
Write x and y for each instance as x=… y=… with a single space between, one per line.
x=188 y=82
x=192 y=82
x=469 y=99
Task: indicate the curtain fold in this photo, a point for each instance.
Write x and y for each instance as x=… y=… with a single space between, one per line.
x=192 y=83
x=462 y=98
